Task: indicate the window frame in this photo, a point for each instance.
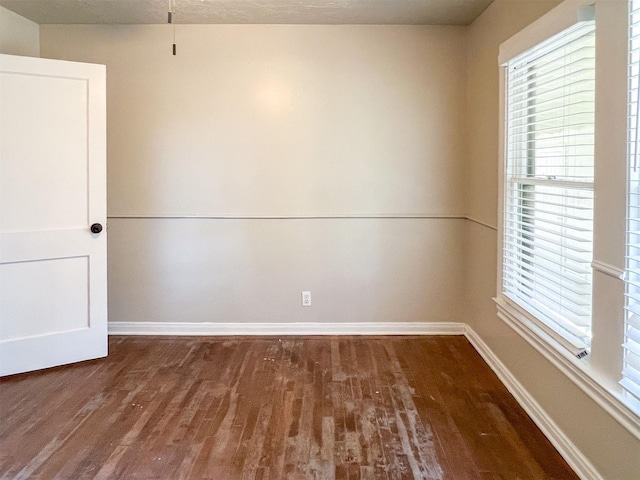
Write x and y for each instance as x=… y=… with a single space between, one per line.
x=527 y=177
x=598 y=374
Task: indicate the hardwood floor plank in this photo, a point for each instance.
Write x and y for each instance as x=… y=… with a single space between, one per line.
x=268 y=408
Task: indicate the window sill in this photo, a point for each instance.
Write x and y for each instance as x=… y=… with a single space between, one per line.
x=607 y=395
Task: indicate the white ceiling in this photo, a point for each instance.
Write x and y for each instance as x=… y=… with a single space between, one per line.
x=411 y=12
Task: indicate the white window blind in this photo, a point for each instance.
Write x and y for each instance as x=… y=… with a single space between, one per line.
x=548 y=222
x=631 y=368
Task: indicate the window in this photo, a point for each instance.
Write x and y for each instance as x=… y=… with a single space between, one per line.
x=631 y=368
x=566 y=211
x=548 y=202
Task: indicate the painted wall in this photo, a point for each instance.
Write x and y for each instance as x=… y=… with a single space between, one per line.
x=18 y=36
x=612 y=450
x=258 y=128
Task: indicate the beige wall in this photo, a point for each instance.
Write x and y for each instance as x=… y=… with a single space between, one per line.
x=362 y=270
x=281 y=121
x=613 y=451
x=18 y=36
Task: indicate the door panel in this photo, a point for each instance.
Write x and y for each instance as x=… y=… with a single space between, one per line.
x=60 y=284
x=44 y=147
x=53 y=279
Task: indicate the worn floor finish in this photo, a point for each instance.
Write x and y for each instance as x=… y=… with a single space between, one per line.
x=270 y=409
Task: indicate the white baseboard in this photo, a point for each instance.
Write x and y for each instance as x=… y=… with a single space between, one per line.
x=574 y=457
x=221 y=329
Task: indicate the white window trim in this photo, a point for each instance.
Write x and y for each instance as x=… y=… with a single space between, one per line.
x=565 y=15
x=603 y=390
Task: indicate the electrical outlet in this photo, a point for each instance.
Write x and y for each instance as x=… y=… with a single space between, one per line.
x=306 y=299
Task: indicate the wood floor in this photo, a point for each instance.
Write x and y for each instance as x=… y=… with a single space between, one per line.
x=269 y=409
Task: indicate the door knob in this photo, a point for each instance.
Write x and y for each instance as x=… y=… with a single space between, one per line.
x=96 y=228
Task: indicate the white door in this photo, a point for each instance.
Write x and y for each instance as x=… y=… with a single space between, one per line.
x=53 y=272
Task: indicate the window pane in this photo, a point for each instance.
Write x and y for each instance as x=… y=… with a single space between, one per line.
x=631 y=368
x=549 y=182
